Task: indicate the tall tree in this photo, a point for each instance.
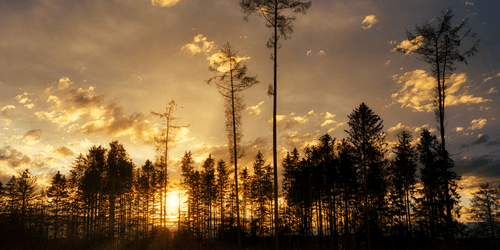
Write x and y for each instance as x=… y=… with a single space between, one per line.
x=24 y=191
x=223 y=184
x=439 y=46
x=164 y=142
x=273 y=13
x=119 y=176
x=231 y=80
x=486 y=207
x=187 y=168
x=403 y=178
x=430 y=206
x=59 y=193
x=369 y=147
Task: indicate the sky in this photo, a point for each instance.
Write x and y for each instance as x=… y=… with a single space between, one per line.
x=79 y=73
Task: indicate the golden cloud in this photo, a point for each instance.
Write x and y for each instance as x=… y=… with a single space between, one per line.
x=410 y=46
x=223 y=61
x=7 y=107
x=477 y=123
x=417 y=91
x=369 y=21
x=13 y=158
x=32 y=137
x=63 y=151
x=296 y=140
x=85 y=105
x=255 y=110
x=164 y=3
x=199 y=44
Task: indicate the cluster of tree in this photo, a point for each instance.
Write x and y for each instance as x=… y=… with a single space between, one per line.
x=340 y=194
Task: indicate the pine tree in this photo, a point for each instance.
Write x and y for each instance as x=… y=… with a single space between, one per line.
x=272 y=11
x=440 y=48
x=403 y=179
x=59 y=193
x=486 y=207
x=369 y=147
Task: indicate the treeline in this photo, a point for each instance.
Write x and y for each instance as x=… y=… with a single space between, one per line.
x=336 y=194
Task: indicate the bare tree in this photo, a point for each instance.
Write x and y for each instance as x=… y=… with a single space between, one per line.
x=440 y=47
x=273 y=13
x=231 y=80
x=164 y=142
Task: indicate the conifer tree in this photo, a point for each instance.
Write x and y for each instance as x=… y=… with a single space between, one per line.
x=231 y=80
x=59 y=193
x=273 y=13
x=369 y=147
x=439 y=46
x=403 y=178
x=486 y=207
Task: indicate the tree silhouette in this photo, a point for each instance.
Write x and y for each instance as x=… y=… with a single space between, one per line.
x=164 y=143
x=369 y=147
x=273 y=13
x=231 y=80
x=59 y=193
x=440 y=48
x=403 y=178
x=486 y=207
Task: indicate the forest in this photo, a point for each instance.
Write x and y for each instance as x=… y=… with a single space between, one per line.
x=328 y=200
x=346 y=193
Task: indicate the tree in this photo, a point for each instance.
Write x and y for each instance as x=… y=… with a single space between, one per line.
x=369 y=146
x=164 y=143
x=23 y=193
x=119 y=177
x=59 y=193
x=486 y=207
x=223 y=184
x=187 y=167
x=403 y=177
x=208 y=191
x=440 y=48
x=231 y=80
x=272 y=11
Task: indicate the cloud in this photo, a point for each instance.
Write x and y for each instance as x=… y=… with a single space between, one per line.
x=327 y=122
x=388 y=62
x=63 y=151
x=199 y=45
x=13 y=158
x=417 y=91
x=29 y=106
x=458 y=129
x=32 y=137
x=469 y=3
x=164 y=3
x=255 y=110
x=23 y=98
x=415 y=129
x=490 y=77
x=64 y=83
x=222 y=61
x=7 y=107
x=492 y=90
x=477 y=123
x=410 y=46
x=329 y=116
x=298 y=140
x=96 y=116
x=5 y=122
x=321 y=53
x=309 y=52
x=369 y=21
